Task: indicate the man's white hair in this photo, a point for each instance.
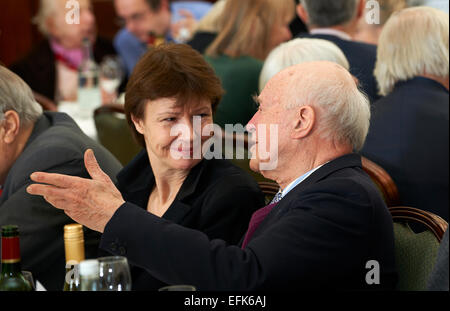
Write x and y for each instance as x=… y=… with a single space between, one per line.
x=299 y=51
x=413 y=42
x=16 y=95
x=343 y=109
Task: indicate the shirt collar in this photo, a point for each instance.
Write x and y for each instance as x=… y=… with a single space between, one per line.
x=296 y=182
x=332 y=32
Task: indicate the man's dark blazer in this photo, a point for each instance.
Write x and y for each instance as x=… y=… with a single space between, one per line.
x=320 y=235
x=216 y=198
x=408 y=137
x=38 y=69
x=56 y=145
x=361 y=57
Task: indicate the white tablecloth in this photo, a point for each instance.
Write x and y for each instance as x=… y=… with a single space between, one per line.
x=86 y=124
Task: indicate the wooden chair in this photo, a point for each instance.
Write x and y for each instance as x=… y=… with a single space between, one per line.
x=415 y=253
x=383 y=181
x=114 y=133
x=431 y=221
x=46 y=103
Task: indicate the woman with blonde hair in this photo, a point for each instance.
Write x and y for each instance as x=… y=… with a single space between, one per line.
x=250 y=29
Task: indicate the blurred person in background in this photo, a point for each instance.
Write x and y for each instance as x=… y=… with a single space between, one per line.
x=410 y=126
x=250 y=29
x=369 y=33
x=52 y=68
x=337 y=21
x=148 y=23
x=208 y=28
x=31 y=140
x=299 y=51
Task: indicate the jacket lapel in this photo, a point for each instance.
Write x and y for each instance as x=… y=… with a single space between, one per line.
x=180 y=208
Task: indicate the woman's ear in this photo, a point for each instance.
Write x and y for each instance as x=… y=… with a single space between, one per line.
x=10 y=126
x=138 y=124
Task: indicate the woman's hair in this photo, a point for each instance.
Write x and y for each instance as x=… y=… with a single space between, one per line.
x=300 y=51
x=413 y=42
x=170 y=71
x=246 y=27
x=209 y=23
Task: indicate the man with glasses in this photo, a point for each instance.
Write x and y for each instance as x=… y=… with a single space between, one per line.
x=148 y=23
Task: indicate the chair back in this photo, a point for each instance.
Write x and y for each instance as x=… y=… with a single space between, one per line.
x=114 y=133
x=415 y=253
x=46 y=103
x=383 y=181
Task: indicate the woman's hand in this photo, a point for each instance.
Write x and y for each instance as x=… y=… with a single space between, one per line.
x=90 y=202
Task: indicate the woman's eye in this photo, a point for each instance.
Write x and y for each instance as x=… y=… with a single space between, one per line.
x=170 y=119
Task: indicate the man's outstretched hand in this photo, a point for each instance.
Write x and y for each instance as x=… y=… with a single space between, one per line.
x=90 y=202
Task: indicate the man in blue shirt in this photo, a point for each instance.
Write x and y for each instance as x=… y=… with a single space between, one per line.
x=151 y=22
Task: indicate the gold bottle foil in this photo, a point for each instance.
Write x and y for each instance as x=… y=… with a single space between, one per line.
x=74 y=243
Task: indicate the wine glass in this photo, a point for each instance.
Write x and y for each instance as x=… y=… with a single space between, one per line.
x=111 y=75
x=29 y=277
x=114 y=274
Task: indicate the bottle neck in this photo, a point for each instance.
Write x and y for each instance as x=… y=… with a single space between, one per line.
x=87 y=51
x=11 y=255
x=74 y=250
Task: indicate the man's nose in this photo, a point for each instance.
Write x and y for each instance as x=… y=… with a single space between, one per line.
x=251 y=125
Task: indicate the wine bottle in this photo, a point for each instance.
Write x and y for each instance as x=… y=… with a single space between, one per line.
x=89 y=274
x=74 y=248
x=11 y=277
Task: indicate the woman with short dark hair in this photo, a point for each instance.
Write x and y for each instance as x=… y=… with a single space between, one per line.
x=170 y=86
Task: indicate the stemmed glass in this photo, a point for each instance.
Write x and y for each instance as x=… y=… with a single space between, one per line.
x=114 y=274
x=111 y=75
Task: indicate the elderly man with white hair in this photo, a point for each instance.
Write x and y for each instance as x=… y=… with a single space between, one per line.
x=329 y=230
x=51 y=69
x=409 y=131
x=33 y=140
x=298 y=51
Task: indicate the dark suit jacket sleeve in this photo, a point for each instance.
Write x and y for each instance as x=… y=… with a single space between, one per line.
x=295 y=248
x=41 y=231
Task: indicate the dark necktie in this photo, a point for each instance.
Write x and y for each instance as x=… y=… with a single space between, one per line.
x=255 y=221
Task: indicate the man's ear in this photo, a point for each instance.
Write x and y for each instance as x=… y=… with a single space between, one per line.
x=361 y=9
x=10 y=126
x=304 y=122
x=301 y=12
x=138 y=124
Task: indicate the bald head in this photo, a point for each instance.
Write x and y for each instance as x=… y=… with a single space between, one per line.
x=342 y=110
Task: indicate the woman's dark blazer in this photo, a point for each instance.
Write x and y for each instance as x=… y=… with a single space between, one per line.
x=216 y=198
